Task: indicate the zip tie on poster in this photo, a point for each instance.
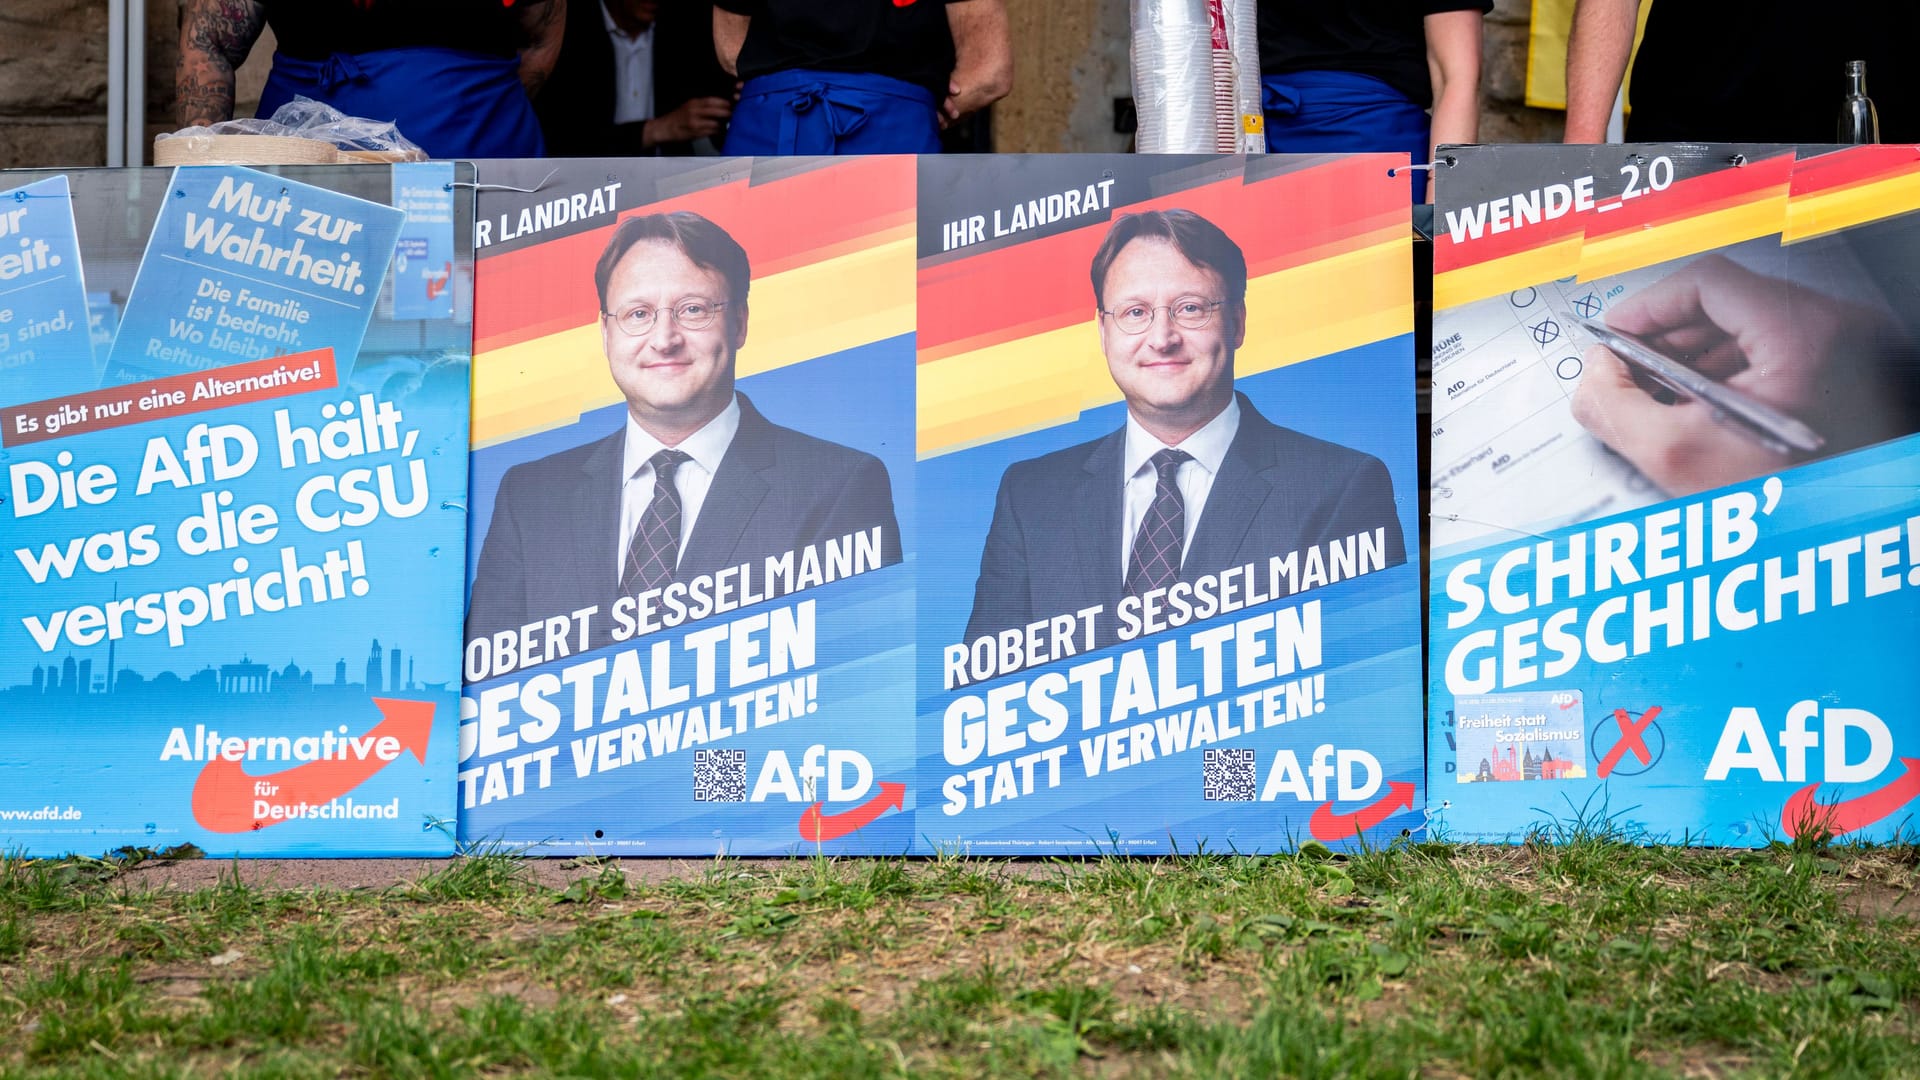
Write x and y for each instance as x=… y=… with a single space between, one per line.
x=1429 y=815
x=477 y=186
x=1737 y=160
x=1449 y=161
x=22 y=196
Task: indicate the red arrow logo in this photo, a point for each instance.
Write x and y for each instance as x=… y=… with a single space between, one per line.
x=1840 y=818
x=1329 y=827
x=225 y=798
x=816 y=826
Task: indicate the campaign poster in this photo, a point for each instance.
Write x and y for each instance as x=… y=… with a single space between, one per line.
x=1168 y=522
x=245 y=265
x=233 y=580
x=1676 y=492
x=423 y=254
x=691 y=590
x=46 y=346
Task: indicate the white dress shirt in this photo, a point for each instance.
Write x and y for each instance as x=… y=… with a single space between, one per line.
x=692 y=479
x=1208 y=448
x=632 y=71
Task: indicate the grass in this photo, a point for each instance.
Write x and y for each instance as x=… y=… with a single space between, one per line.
x=1576 y=953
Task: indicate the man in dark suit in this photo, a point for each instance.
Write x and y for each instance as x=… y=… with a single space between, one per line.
x=1197 y=481
x=635 y=77
x=697 y=480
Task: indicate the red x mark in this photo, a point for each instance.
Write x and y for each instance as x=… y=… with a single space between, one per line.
x=1632 y=737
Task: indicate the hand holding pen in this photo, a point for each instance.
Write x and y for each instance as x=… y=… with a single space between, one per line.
x=1723 y=375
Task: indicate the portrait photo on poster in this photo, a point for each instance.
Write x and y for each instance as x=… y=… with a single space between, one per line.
x=694 y=480
x=1197 y=480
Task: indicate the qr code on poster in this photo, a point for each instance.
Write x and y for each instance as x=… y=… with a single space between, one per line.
x=1228 y=775
x=719 y=776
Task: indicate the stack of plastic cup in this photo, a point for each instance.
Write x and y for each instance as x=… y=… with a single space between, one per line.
x=1243 y=37
x=1173 y=78
x=1226 y=121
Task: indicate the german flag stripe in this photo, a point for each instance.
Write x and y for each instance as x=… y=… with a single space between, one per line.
x=536 y=291
x=1005 y=294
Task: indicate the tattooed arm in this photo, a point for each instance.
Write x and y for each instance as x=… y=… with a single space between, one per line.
x=215 y=36
x=545 y=24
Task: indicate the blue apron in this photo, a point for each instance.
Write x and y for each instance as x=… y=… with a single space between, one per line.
x=452 y=104
x=1341 y=112
x=831 y=112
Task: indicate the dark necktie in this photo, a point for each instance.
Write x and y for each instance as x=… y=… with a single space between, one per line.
x=655 y=547
x=1156 y=547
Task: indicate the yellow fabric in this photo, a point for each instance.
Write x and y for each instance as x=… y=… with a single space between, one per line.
x=1547 y=52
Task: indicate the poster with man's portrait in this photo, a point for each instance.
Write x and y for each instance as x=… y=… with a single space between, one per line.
x=689 y=612
x=1168 y=586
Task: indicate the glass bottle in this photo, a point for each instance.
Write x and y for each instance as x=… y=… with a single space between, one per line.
x=1859 y=121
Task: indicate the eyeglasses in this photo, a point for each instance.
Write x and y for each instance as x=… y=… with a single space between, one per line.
x=1188 y=312
x=687 y=314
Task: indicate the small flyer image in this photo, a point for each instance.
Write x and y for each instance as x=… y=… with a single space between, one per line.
x=1505 y=737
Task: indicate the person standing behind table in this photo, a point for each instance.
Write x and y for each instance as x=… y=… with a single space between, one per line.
x=1765 y=71
x=1359 y=77
x=635 y=77
x=455 y=76
x=859 y=76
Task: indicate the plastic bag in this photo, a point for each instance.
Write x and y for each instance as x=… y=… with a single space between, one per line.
x=305 y=118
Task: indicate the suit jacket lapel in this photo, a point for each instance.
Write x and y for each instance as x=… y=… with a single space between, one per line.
x=1097 y=509
x=733 y=498
x=595 y=544
x=1234 y=500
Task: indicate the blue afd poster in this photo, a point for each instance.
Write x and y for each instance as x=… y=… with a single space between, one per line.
x=690 y=624
x=1165 y=479
x=423 y=257
x=233 y=577
x=45 y=348
x=244 y=265
x=1676 y=501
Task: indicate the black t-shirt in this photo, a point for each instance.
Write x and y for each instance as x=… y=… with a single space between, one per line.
x=1771 y=70
x=907 y=41
x=316 y=29
x=1386 y=39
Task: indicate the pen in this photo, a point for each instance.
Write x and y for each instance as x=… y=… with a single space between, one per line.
x=1757 y=420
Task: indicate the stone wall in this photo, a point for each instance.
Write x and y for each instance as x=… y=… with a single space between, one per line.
x=1504 y=116
x=1070 y=64
x=53 y=82
x=53 y=79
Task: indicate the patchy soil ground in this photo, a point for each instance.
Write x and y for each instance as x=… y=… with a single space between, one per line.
x=1591 y=957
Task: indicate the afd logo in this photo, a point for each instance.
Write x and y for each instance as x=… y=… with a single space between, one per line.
x=1747 y=744
x=823 y=774
x=827 y=776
